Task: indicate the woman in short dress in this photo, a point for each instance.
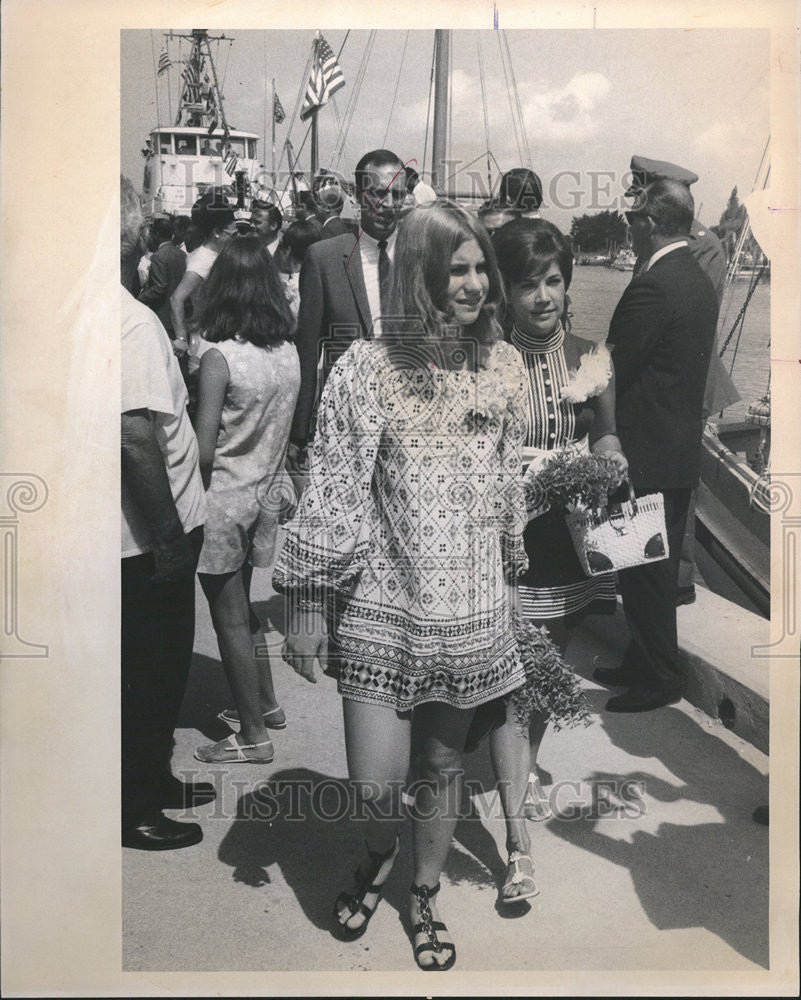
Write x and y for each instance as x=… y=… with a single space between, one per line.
x=249 y=381
x=570 y=405
x=405 y=541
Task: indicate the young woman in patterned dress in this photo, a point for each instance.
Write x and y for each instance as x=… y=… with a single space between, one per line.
x=404 y=544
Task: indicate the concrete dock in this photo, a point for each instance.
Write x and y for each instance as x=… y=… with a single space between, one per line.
x=651 y=861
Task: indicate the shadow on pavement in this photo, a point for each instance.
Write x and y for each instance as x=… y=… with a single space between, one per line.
x=300 y=821
x=712 y=875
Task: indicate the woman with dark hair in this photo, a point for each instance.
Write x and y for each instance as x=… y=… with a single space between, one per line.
x=290 y=254
x=249 y=380
x=570 y=406
x=406 y=539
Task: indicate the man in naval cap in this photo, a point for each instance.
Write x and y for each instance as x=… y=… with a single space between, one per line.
x=720 y=390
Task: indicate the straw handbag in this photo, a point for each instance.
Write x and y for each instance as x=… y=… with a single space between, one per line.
x=620 y=535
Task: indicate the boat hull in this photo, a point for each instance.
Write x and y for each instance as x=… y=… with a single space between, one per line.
x=732 y=515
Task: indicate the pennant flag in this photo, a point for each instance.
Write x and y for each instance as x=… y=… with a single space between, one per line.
x=164 y=61
x=278 y=111
x=213 y=125
x=325 y=78
x=231 y=162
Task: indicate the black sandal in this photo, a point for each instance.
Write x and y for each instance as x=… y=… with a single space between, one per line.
x=349 y=905
x=429 y=927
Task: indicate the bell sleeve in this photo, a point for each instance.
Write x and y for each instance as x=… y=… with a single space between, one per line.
x=327 y=540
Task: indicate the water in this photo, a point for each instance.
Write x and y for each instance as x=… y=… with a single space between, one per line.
x=595 y=291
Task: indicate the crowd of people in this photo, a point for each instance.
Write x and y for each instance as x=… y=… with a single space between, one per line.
x=380 y=389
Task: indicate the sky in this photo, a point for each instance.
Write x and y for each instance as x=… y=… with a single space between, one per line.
x=589 y=99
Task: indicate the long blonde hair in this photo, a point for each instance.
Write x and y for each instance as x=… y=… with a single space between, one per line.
x=427 y=239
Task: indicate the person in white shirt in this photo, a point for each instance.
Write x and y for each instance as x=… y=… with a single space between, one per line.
x=216 y=221
x=163 y=510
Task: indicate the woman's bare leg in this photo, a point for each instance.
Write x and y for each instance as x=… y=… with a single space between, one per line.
x=377 y=741
x=440 y=736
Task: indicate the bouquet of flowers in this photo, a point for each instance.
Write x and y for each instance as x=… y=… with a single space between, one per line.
x=551 y=688
x=570 y=479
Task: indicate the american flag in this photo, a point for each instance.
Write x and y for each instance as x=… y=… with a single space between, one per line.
x=325 y=78
x=278 y=111
x=231 y=162
x=191 y=78
x=164 y=62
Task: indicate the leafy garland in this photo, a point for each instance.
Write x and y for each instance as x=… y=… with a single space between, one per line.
x=571 y=479
x=551 y=688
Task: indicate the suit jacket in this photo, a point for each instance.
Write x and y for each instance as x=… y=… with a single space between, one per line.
x=334 y=311
x=336 y=227
x=167 y=266
x=708 y=251
x=662 y=333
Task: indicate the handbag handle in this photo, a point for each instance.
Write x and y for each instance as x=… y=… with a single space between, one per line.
x=615 y=511
x=632 y=498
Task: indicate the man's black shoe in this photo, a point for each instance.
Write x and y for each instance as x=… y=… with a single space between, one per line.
x=640 y=699
x=614 y=676
x=176 y=794
x=685 y=595
x=158 y=833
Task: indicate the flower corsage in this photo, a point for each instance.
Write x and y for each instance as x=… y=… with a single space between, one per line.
x=591 y=377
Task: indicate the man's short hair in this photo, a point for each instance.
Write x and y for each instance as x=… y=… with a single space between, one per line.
x=272 y=211
x=375 y=158
x=161 y=229
x=669 y=204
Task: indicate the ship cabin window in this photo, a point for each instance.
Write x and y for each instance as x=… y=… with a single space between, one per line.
x=206 y=147
x=186 y=145
x=251 y=149
x=165 y=144
x=238 y=146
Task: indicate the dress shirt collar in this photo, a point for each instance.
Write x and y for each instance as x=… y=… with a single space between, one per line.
x=663 y=252
x=369 y=245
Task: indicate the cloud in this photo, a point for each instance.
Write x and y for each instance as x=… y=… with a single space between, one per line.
x=568 y=114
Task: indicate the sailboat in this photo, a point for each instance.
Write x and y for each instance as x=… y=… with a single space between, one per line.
x=734 y=500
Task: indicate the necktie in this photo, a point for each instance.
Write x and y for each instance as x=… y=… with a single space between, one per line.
x=383 y=275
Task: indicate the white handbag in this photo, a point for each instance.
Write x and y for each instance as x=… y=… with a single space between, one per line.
x=620 y=535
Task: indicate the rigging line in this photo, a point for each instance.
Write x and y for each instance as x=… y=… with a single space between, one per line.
x=397 y=87
x=295 y=110
x=741 y=315
x=509 y=95
x=517 y=98
x=470 y=164
x=484 y=108
x=354 y=97
x=264 y=90
x=227 y=59
x=759 y=168
x=155 y=80
x=430 y=92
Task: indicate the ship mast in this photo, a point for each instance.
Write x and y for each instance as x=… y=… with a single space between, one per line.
x=201 y=102
x=438 y=151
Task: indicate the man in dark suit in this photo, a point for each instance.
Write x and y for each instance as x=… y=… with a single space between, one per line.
x=328 y=201
x=720 y=390
x=342 y=284
x=167 y=266
x=662 y=333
